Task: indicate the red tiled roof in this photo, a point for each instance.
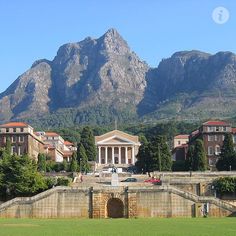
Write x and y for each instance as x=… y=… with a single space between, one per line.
x=212 y=122
x=67 y=153
x=182 y=136
x=51 y=134
x=67 y=143
x=14 y=124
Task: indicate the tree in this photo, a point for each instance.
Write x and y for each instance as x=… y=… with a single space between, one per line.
x=20 y=177
x=41 y=162
x=8 y=147
x=82 y=158
x=143 y=157
x=88 y=141
x=189 y=158
x=200 y=159
x=74 y=164
x=65 y=165
x=160 y=154
x=227 y=158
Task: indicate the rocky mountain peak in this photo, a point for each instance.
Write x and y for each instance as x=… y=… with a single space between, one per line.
x=113 y=43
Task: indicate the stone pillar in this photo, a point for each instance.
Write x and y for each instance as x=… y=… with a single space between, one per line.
x=112 y=155
x=133 y=156
x=99 y=155
x=105 y=155
x=126 y=155
x=119 y=158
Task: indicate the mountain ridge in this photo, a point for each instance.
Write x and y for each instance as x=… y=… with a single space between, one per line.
x=100 y=80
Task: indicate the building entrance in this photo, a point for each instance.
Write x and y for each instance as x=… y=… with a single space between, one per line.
x=115 y=208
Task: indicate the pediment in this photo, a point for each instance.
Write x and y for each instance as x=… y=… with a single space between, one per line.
x=116 y=140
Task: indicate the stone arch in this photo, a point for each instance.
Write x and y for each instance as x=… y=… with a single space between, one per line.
x=115 y=208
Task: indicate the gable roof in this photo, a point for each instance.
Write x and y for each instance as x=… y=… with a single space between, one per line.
x=213 y=122
x=118 y=134
x=51 y=134
x=14 y=125
x=182 y=136
x=67 y=143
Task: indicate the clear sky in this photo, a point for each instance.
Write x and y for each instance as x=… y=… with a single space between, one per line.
x=154 y=29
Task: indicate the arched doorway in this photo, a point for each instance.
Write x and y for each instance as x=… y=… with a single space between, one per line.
x=115 y=208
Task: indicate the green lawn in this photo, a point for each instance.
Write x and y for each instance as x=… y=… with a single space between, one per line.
x=142 y=227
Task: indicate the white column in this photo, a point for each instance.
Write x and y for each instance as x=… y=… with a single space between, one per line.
x=99 y=155
x=126 y=155
x=105 y=155
x=133 y=156
x=119 y=158
x=113 y=158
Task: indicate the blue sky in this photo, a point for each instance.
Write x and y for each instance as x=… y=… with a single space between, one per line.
x=154 y=29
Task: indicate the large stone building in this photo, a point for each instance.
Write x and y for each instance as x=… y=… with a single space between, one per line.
x=116 y=148
x=211 y=133
x=24 y=140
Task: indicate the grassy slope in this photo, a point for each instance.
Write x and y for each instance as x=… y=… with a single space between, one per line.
x=111 y=227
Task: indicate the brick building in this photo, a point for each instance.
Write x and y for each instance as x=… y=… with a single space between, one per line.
x=23 y=139
x=212 y=134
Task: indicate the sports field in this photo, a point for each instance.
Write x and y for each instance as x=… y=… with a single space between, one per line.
x=144 y=227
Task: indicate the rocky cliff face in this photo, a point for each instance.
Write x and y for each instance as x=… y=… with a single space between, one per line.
x=96 y=80
x=192 y=85
x=82 y=75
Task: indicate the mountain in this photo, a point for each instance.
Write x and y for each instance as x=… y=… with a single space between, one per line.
x=100 y=77
x=99 y=80
x=192 y=85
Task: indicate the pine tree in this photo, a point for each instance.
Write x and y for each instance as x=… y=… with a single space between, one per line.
x=189 y=158
x=82 y=158
x=228 y=156
x=41 y=162
x=74 y=163
x=143 y=157
x=8 y=146
x=160 y=154
x=200 y=159
x=20 y=177
x=88 y=141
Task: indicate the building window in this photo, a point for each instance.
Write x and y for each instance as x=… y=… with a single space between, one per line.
x=21 y=130
x=234 y=138
x=224 y=128
x=217 y=150
x=20 y=150
x=210 y=151
x=13 y=149
x=217 y=138
x=211 y=128
x=179 y=142
x=21 y=139
x=211 y=163
x=210 y=138
x=14 y=130
x=7 y=130
x=223 y=137
x=217 y=128
x=13 y=139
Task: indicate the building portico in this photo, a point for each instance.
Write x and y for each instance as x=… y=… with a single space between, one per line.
x=116 y=148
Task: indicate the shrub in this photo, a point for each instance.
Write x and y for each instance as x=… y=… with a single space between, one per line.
x=63 y=181
x=225 y=185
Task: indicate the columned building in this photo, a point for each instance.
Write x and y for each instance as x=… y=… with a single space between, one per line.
x=116 y=148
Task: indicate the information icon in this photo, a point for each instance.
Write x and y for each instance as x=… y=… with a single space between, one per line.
x=220 y=15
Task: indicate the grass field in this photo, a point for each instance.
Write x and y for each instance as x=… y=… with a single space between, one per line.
x=144 y=227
